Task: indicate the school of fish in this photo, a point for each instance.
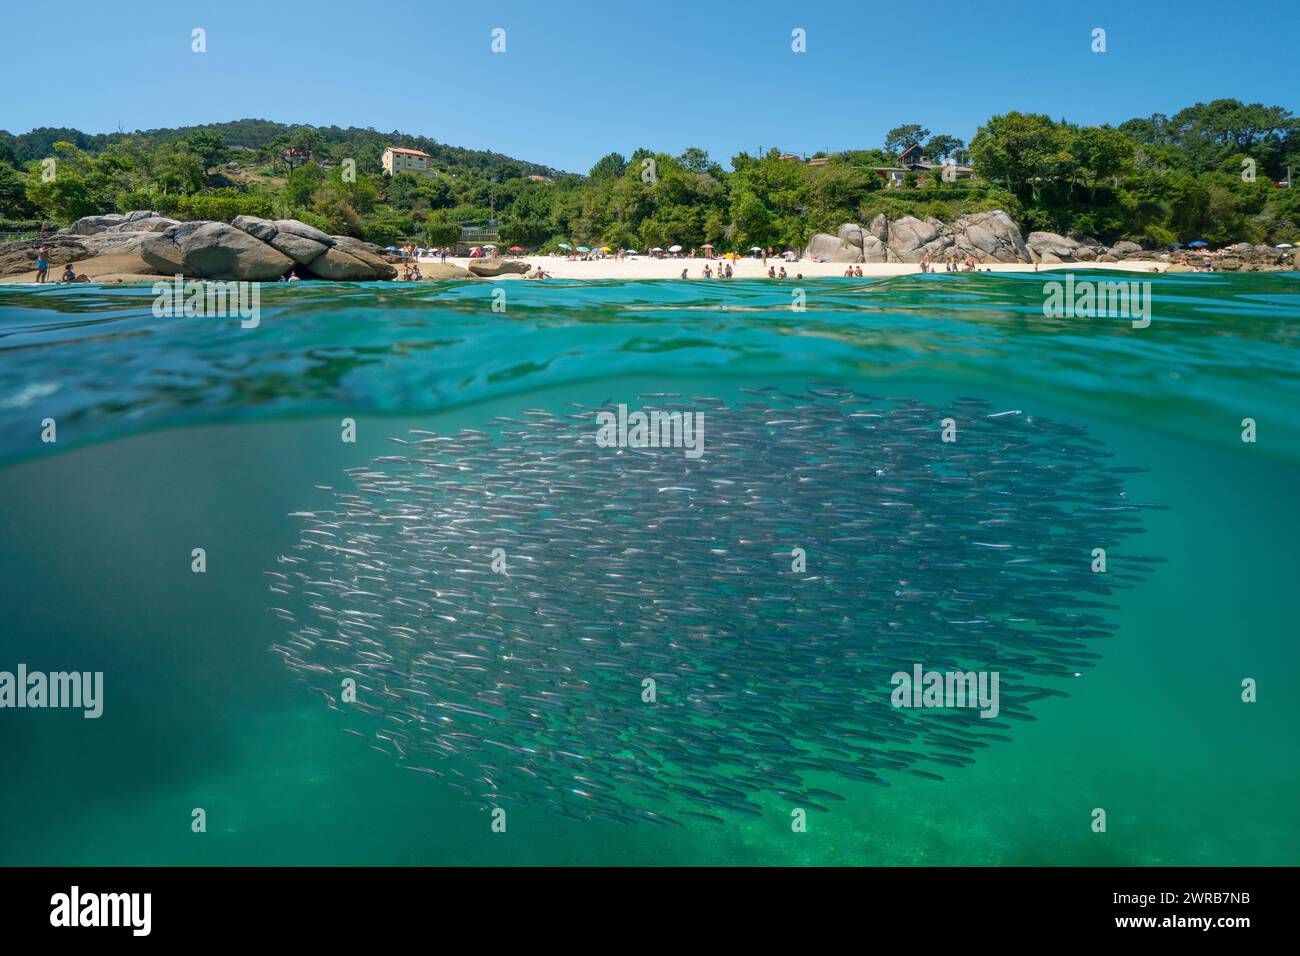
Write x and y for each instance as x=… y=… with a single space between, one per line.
x=635 y=635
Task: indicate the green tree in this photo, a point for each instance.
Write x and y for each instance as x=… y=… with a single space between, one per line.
x=902 y=138
x=209 y=146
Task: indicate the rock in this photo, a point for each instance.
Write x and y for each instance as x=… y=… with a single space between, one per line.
x=367 y=252
x=296 y=228
x=1228 y=264
x=145 y=224
x=989 y=236
x=1123 y=248
x=1044 y=244
x=496 y=267
x=1085 y=253
x=18 y=257
x=824 y=246
x=1107 y=257
x=263 y=229
x=440 y=270
x=910 y=239
x=874 y=249
x=303 y=244
x=112 y=242
x=1178 y=267
x=880 y=227
x=340 y=266
x=89 y=225
x=214 y=250
x=852 y=234
x=298 y=248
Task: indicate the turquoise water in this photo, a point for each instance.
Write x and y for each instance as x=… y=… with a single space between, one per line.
x=183 y=433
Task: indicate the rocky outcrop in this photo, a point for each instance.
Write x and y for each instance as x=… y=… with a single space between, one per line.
x=214 y=250
x=833 y=249
x=322 y=256
x=1049 y=247
x=92 y=225
x=497 y=267
x=988 y=236
x=247 y=248
x=16 y=257
x=443 y=270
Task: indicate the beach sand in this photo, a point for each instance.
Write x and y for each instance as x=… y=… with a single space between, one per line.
x=642 y=267
x=127 y=268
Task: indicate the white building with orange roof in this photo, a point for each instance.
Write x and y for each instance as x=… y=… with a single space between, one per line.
x=399 y=159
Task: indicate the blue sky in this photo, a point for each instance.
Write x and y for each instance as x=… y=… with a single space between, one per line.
x=580 y=80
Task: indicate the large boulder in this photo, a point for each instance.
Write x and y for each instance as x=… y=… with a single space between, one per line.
x=1124 y=248
x=497 y=267
x=1050 y=247
x=880 y=227
x=828 y=248
x=144 y=224
x=112 y=242
x=18 y=257
x=298 y=248
x=339 y=266
x=911 y=238
x=89 y=225
x=214 y=250
x=444 y=270
x=989 y=237
x=263 y=229
x=297 y=240
x=367 y=252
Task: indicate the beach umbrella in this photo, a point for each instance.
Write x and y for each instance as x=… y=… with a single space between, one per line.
x=630 y=252
x=516 y=248
x=606 y=249
x=390 y=248
x=564 y=245
x=1175 y=245
x=1284 y=245
x=674 y=248
x=656 y=249
x=707 y=245
x=755 y=249
x=1198 y=244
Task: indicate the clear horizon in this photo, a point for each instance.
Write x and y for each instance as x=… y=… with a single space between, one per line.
x=567 y=91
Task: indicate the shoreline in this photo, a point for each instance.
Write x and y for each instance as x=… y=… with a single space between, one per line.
x=104 y=270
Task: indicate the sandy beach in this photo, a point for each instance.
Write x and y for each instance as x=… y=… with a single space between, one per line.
x=643 y=267
x=126 y=268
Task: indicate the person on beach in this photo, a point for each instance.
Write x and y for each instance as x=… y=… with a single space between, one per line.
x=857 y=272
x=781 y=274
x=42 y=264
x=683 y=273
x=771 y=272
x=729 y=272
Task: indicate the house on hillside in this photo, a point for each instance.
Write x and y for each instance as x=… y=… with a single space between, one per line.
x=912 y=160
x=399 y=159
